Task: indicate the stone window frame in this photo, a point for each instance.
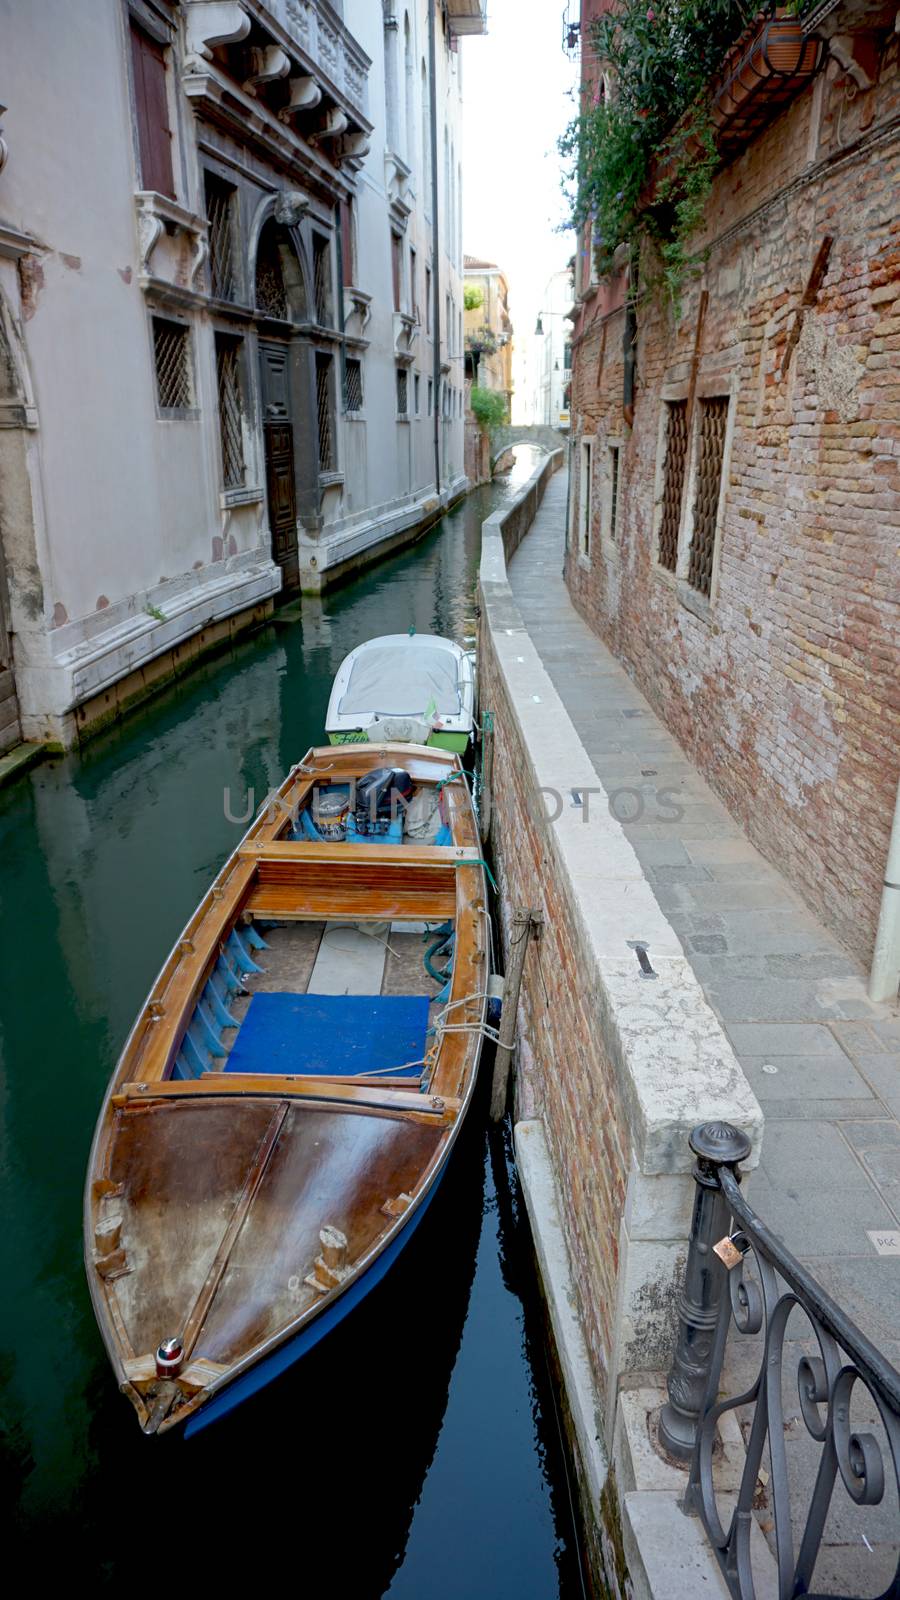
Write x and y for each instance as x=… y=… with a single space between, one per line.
x=146 y=16
x=583 y=523
x=160 y=313
x=609 y=543
x=713 y=383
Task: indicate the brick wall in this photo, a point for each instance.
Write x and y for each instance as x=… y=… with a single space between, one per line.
x=564 y=1074
x=784 y=686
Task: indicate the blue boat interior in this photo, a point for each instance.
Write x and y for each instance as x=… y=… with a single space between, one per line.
x=346 y=1034
x=314 y=998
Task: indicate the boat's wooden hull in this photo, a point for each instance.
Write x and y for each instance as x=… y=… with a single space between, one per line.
x=242 y=1212
x=266 y=1368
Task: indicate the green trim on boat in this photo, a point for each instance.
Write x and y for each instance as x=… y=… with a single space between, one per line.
x=458 y=743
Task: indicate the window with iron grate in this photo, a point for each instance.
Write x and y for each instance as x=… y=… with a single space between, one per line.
x=673 y=483
x=712 y=424
x=172 y=360
x=402 y=391
x=231 y=409
x=271 y=294
x=353 y=385
x=325 y=411
x=322 y=279
x=221 y=203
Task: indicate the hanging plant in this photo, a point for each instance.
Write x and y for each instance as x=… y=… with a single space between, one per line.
x=481 y=342
x=641 y=157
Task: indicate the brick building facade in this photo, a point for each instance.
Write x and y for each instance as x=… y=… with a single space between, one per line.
x=734 y=536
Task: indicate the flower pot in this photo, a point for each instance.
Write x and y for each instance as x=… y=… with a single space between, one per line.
x=771 y=60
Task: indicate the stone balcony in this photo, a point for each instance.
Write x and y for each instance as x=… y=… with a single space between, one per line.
x=279 y=71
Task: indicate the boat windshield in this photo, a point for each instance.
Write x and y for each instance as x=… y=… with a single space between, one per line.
x=403 y=680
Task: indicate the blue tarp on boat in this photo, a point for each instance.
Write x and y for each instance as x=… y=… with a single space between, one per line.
x=339 y=1034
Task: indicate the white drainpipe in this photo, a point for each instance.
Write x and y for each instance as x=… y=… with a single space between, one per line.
x=884 y=979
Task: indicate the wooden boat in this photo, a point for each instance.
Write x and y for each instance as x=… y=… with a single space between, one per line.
x=291 y=1090
x=412 y=687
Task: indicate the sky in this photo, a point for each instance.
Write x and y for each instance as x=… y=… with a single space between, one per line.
x=517 y=85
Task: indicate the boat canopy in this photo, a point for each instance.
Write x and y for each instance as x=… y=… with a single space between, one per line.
x=403 y=680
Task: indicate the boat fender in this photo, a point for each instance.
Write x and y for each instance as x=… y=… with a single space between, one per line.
x=495 y=999
x=169 y=1358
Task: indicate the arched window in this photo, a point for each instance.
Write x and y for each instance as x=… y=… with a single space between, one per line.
x=391 y=106
x=452 y=207
x=446 y=197
x=271 y=294
x=280 y=289
x=409 y=144
x=426 y=138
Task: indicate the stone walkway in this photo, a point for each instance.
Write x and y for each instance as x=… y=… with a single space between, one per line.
x=823 y=1061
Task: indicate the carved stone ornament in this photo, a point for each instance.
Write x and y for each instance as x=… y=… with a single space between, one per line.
x=212 y=22
x=154 y=214
x=290 y=208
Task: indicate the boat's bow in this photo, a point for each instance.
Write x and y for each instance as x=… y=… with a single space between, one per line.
x=225 y=1223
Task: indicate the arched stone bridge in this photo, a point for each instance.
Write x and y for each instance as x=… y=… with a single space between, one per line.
x=546 y=438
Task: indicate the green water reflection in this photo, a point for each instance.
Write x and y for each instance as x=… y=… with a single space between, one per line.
x=424 y=1413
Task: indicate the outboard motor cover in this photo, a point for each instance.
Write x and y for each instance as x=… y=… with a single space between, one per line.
x=381 y=795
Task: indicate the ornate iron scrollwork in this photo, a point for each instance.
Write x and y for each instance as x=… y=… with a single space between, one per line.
x=763 y=1289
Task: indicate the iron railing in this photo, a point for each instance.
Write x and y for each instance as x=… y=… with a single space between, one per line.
x=739 y=1273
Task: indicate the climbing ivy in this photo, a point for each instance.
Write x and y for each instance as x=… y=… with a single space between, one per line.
x=640 y=156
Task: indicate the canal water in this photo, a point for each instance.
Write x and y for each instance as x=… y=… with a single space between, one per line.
x=416 y=1452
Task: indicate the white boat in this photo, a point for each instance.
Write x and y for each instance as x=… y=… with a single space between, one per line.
x=408 y=688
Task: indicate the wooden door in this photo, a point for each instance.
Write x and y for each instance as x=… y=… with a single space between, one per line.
x=278 y=433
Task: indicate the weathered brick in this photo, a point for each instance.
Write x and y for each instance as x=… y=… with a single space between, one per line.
x=787 y=696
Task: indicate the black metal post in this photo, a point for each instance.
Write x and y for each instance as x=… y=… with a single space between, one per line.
x=716 y=1145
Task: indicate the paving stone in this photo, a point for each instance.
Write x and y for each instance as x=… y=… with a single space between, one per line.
x=715 y=896
x=743 y=872
x=815 y=1079
x=724 y=852
x=810 y=964
x=888 y=1033
x=684 y=873
x=783 y=1039
x=882 y=1071
x=793 y=1209
x=854 y=1569
x=708 y=944
x=805 y=1109
x=770 y=933
x=880 y=1135
x=658 y=853
x=868 y=1288
x=822 y=1161
x=857 y=1037
x=753 y=1000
